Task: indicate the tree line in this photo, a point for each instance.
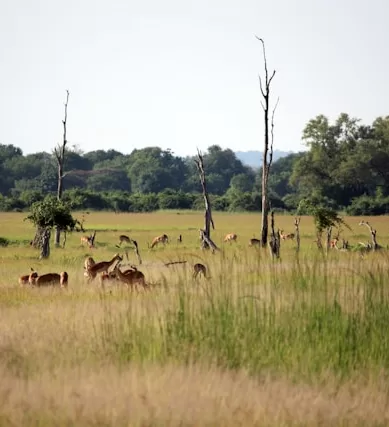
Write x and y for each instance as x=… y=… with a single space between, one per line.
x=345 y=167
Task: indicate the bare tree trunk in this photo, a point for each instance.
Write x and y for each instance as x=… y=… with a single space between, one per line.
x=373 y=232
x=59 y=152
x=206 y=241
x=45 y=244
x=275 y=240
x=297 y=228
x=267 y=149
x=328 y=239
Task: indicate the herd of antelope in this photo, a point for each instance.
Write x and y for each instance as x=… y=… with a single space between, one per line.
x=132 y=277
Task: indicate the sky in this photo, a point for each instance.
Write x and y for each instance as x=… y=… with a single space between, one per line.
x=184 y=74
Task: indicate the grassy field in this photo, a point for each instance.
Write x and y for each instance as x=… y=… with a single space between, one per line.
x=299 y=341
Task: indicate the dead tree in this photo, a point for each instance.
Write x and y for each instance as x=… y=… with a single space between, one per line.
x=45 y=243
x=375 y=246
x=268 y=144
x=275 y=240
x=59 y=153
x=328 y=238
x=297 y=228
x=206 y=242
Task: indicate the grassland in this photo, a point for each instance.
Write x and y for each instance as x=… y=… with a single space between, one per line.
x=300 y=341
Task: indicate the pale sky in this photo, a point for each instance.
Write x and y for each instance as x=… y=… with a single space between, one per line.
x=184 y=74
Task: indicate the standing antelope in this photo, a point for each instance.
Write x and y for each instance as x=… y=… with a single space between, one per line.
x=50 y=279
x=254 y=242
x=163 y=238
x=199 y=268
x=231 y=237
x=25 y=280
x=288 y=236
x=131 y=278
x=101 y=267
x=87 y=240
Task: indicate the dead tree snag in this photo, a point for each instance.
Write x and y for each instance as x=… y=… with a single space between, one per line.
x=297 y=228
x=268 y=144
x=275 y=240
x=206 y=242
x=373 y=232
x=59 y=153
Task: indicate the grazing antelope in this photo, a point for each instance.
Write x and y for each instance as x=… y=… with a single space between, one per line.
x=124 y=239
x=131 y=278
x=101 y=267
x=163 y=238
x=25 y=280
x=255 y=242
x=199 y=268
x=112 y=275
x=231 y=237
x=288 y=236
x=50 y=279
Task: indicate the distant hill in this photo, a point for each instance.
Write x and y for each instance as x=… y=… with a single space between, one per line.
x=254 y=158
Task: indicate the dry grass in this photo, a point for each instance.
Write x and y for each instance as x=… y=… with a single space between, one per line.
x=260 y=343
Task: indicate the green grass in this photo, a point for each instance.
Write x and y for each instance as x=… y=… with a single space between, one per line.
x=298 y=341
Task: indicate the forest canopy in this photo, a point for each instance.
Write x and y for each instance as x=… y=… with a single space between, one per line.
x=345 y=167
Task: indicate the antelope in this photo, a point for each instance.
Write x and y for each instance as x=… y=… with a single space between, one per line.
x=131 y=278
x=50 y=279
x=124 y=238
x=163 y=238
x=87 y=240
x=112 y=275
x=101 y=267
x=254 y=242
x=89 y=261
x=231 y=237
x=199 y=268
x=288 y=236
x=25 y=280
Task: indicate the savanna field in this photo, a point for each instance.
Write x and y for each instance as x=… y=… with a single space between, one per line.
x=303 y=340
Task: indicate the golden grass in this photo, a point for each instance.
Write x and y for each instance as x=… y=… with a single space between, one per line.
x=87 y=356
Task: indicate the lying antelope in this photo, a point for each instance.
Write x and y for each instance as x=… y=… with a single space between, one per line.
x=255 y=242
x=50 y=279
x=131 y=278
x=25 y=280
x=199 y=269
x=163 y=238
x=231 y=237
x=101 y=267
x=288 y=236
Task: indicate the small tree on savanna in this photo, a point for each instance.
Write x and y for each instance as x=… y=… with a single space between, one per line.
x=59 y=153
x=48 y=214
x=268 y=144
x=324 y=218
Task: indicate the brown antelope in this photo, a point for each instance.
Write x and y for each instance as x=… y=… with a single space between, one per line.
x=163 y=238
x=131 y=278
x=50 y=279
x=101 y=267
x=288 y=236
x=112 y=275
x=254 y=242
x=199 y=268
x=25 y=280
x=124 y=239
x=231 y=237
x=87 y=240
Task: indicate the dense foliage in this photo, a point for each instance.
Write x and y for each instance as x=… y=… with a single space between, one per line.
x=345 y=167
